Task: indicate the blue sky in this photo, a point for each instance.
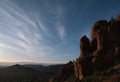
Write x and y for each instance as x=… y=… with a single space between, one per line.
x=48 y=31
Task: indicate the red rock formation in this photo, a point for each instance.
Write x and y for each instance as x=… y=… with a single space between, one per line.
x=99 y=32
x=103 y=49
x=118 y=18
x=82 y=64
x=81 y=67
x=114 y=32
x=99 y=53
x=93 y=45
x=117 y=52
x=84 y=46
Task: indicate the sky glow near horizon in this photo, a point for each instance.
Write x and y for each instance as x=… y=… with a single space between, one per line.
x=48 y=31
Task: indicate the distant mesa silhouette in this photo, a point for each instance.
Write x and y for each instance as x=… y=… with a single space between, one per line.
x=16 y=65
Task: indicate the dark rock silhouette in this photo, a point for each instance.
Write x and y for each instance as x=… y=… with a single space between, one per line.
x=101 y=52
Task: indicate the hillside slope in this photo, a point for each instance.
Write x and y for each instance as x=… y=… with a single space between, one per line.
x=27 y=73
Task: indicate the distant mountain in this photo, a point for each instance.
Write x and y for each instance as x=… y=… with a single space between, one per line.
x=27 y=73
x=36 y=67
x=24 y=63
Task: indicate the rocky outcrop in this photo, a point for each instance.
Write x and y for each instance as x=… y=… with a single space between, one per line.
x=81 y=67
x=102 y=52
x=64 y=73
x=84 y=46
x=118 y=18
x=82 y=64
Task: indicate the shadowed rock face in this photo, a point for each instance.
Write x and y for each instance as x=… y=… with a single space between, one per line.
x=114 y=32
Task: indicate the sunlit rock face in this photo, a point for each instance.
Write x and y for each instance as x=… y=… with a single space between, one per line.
x=99 y=32
x=118 y=18
x=96 y=55
x=84 y=46
x=102 y=51
x=81 y=66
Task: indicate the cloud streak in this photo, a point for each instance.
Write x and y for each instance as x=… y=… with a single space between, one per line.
x=24 y=34
x=29 y=34
x=61 y=31
x=59 y=24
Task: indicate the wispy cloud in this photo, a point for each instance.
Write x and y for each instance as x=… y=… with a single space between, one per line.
x=18 y=30
x=30 y=34
x=59 y=24
x=5 y=46
x=61 y=31
x=42 y=27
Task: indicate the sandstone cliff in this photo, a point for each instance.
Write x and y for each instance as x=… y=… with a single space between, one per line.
x=99 y=54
